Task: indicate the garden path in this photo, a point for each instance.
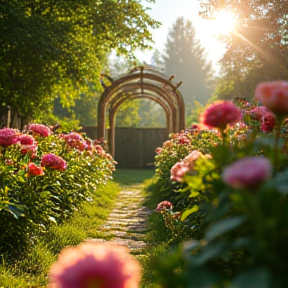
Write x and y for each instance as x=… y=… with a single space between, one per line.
x=126 y=224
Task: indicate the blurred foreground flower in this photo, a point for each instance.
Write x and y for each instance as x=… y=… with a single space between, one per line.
x=221 y=114
x=274 y=96
x=95 y=264
x=248 y=172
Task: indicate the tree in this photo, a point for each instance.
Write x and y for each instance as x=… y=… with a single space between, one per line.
x=185 y=58
x=257 y=50
x=51 y=49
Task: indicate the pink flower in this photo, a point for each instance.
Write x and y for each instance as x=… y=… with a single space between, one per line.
x=29 y=149
x=248 y=172
x=179 y=170
x=221 y=114
x=191 y=158
x=26 y=139
x=164 y=205
x=95 y=264
x=53 y=161
x=75 y=140
x=158 y=150
x=34 y=170
x=274 y=96
x=40 y=129
x=8 y=136
x=268 y=122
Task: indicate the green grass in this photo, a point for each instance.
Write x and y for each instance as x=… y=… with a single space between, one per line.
x=132 y=176
x=30 y=269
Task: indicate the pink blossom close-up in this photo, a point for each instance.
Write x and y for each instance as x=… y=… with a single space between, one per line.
x=221 y=114
x=164 y=205
x=34 y=170
x=40 y=129
x=8 y=136
x=192 y=157
x=75 y=140
x=274 y=96
x=178 y=171
x=26 y=139
x=29 y=149
x=53 y=161
x=95 y=264
x=248 y=172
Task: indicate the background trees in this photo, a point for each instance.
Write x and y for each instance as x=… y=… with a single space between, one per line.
x=257 y=49
x=51 y=49
x=186 y=59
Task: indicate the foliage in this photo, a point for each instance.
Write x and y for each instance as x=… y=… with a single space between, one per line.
x=51 y=49
x=30 y=267
x=237 y=231
x=185 y=58
x=35 y=197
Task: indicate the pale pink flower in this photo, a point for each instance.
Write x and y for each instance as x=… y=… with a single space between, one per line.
x=8 y=136
x=75 y=140
x=274 y=96
x=248 y=172
x=168 y=144
x=159 y=150
x=53 y=161
x=221 y=114
x=179 y=170
x=95 y=264
x=29 y=149
x=34 y=170
x=40 y=129
x=192 y=157
x=164 y=205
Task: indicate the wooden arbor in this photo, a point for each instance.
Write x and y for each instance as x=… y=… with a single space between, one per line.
x=141 y=82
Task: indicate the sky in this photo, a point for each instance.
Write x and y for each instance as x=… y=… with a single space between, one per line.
x=167 y=11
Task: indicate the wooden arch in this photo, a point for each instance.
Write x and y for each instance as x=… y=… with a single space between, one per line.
x=141 y=82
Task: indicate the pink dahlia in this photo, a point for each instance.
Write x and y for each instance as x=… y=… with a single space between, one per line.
x=164 y=205
x=95 y=264
x=179 y=170
x=40 y=129
x=248 y=172
x=274 y=96
x=221 y=114
x=53 y=161
x=8 y=136
x=34 y=170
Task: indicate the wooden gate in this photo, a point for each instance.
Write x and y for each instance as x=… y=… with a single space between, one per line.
x=135 y=147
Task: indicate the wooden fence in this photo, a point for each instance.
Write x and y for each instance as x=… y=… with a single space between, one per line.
x=134 y=147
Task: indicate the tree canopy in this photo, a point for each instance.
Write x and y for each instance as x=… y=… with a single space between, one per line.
x=51 y=49
x=257 y=49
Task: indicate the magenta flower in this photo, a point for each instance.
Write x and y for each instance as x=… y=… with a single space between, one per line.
x=26 y=139
x=164 y=205
x=248 y=172
x=40 y=129
x=274 y=96
x=8 y=136
x=53 y=161
x=221 y=114
x=95 y=264
x=34 y=170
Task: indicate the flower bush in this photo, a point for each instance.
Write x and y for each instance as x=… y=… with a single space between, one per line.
x=234 y=201
x=43 y=179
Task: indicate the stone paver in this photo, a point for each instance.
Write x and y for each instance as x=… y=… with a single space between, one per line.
x=126 y=225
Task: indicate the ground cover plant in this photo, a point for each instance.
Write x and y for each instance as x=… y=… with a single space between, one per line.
x=231 y=195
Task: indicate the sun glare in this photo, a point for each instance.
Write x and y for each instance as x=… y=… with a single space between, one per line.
x=224 y=22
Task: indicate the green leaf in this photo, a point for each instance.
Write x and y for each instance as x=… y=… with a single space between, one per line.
x=187 y=212
x=15 y=210
x=258 y=277
x=224 y=226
